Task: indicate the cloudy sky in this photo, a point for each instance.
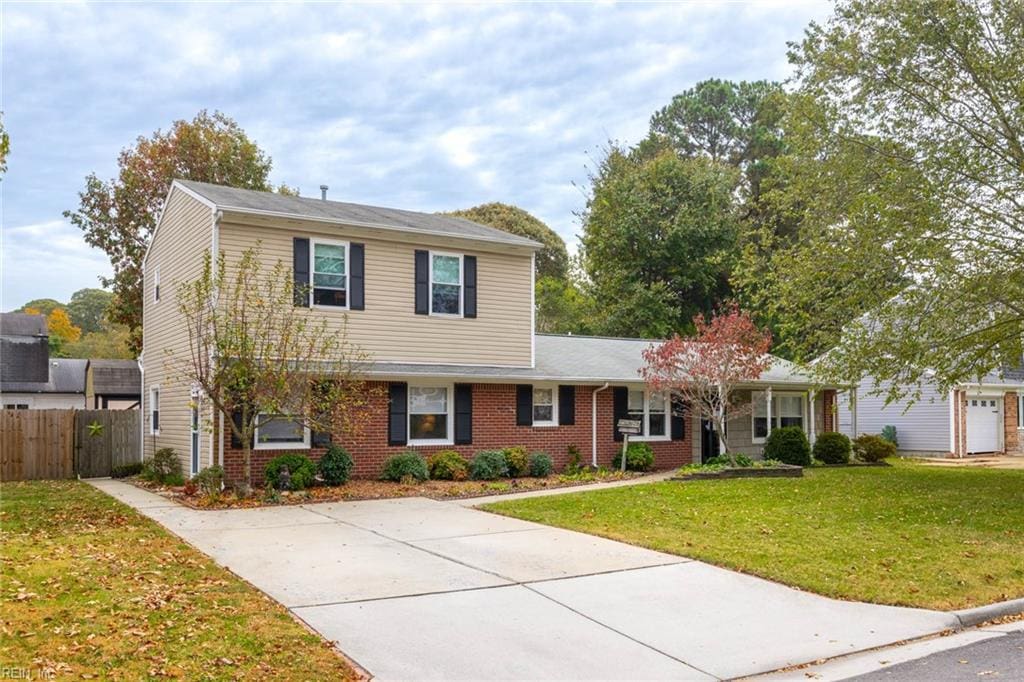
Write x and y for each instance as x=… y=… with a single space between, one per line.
x=413 y=106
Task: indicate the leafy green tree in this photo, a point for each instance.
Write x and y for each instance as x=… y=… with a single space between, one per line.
x=40 y=306
x=659 y=239
x=88 y=309
x=563 y=307
x=110 y=342
x=552 y=260
x=907 y=135
x=119 y=215
x=5 y=146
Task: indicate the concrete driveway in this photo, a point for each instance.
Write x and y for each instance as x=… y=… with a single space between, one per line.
x=420 y=589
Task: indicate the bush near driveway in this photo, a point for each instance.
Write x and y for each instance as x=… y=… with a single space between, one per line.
x=488 y=465
x=406 y=465
x=335 y=466
x=448 y=465
x=93 y=589
x=301 y=471
x=639 y=457
x=909 y=534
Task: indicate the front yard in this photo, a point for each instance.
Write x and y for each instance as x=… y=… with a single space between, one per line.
x=909 y=535
x=89 y=588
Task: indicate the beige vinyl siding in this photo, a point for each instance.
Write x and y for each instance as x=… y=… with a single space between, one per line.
x=388 y=329
x=184 y=235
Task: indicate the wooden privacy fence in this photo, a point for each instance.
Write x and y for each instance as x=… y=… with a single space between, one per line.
x=37 y=444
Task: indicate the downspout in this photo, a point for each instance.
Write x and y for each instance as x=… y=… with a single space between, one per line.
x=142 y=409
x=593 y=425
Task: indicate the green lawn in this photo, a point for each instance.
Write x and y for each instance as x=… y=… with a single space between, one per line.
x=89 y=588
x=911 y=534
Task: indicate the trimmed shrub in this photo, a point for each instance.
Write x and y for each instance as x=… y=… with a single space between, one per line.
x=540 y=465
x=889 y=433
x=743 y=461
x=405 y=466
x=335 y=466
x=832 y=448
x=448 y=465
x=301 y=471
x=518 y=461
x=163 y=467
x=488 y=465
x=210 y=480
x=126 y=470
x=639 y=457
x=871 y=448
x=788 y=445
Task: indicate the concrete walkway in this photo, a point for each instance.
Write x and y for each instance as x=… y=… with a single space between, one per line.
x=420 y=589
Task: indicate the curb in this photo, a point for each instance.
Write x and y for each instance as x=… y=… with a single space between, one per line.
x=976 y=616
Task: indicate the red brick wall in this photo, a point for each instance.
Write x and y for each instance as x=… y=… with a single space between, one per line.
x=494 y=427
x=828 y=401
x=1011 y=436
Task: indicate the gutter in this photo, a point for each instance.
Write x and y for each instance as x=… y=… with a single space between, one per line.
x=593 y=424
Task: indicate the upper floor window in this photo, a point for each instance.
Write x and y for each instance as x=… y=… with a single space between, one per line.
x=329 y=268
x=156 y=284
x=445 y=284
x=651 y=409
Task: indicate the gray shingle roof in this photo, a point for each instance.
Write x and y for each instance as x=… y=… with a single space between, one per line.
x=587 y=359
x=24 y=348
x=67 y=375
x=22 y=324
x=252 y=201
x=116 y=377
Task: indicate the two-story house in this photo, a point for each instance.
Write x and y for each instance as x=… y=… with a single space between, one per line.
x=445 y=308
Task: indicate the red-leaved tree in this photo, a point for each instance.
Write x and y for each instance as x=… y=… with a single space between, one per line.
x=704 y=371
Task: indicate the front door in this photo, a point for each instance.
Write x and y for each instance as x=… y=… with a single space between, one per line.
x=709 y=442
x=983 y=424
x=194 y=428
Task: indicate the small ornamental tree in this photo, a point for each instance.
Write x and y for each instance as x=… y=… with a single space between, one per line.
x=252 y=351
x=704 y=371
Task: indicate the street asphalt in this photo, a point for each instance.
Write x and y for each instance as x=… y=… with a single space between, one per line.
x=1001 y=658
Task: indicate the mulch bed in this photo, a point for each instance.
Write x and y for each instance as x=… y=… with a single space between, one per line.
x=362 y=489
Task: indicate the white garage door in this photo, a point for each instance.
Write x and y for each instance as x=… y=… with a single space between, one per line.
x=982 y=424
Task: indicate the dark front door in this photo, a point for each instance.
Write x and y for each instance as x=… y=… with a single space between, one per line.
x=709 y=443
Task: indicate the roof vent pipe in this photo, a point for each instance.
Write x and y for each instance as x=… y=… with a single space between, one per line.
x=323 y=192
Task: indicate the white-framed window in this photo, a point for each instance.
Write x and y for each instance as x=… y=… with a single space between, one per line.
x=156 y=284
x=154 y=410
x=328 y=267
x=15 y=406
x=652 y=409
x=280 y=432
x=788 y=409
x=446 y=283
x=430 y=415
x=545 y=406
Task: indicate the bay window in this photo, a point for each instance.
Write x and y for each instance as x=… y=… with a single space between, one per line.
x=445 y=284
x=787 y=410
x=280 y=432
x=544 y=409
x=330 y=273
x=429 y=414
x=651 y=409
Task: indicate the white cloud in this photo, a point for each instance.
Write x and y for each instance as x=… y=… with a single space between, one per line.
x=418 y=106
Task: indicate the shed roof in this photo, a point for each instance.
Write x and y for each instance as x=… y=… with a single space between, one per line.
x=282 y=205
x=116 y=377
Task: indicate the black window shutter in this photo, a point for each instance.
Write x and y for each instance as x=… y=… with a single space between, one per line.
x=422 y=283
x=463 y=414
x=320 y=439
x=566 y=405
x=300 y=267
x=398 y=413
x=524 y=405
x=678 y=419
x=356 y=277
x=620 y=408
x=469 y=286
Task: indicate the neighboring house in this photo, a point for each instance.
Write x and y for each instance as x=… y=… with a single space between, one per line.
x=24 y=348
x=980 y=417
x=113 y=384
x=64 y=388
x=445 y=308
